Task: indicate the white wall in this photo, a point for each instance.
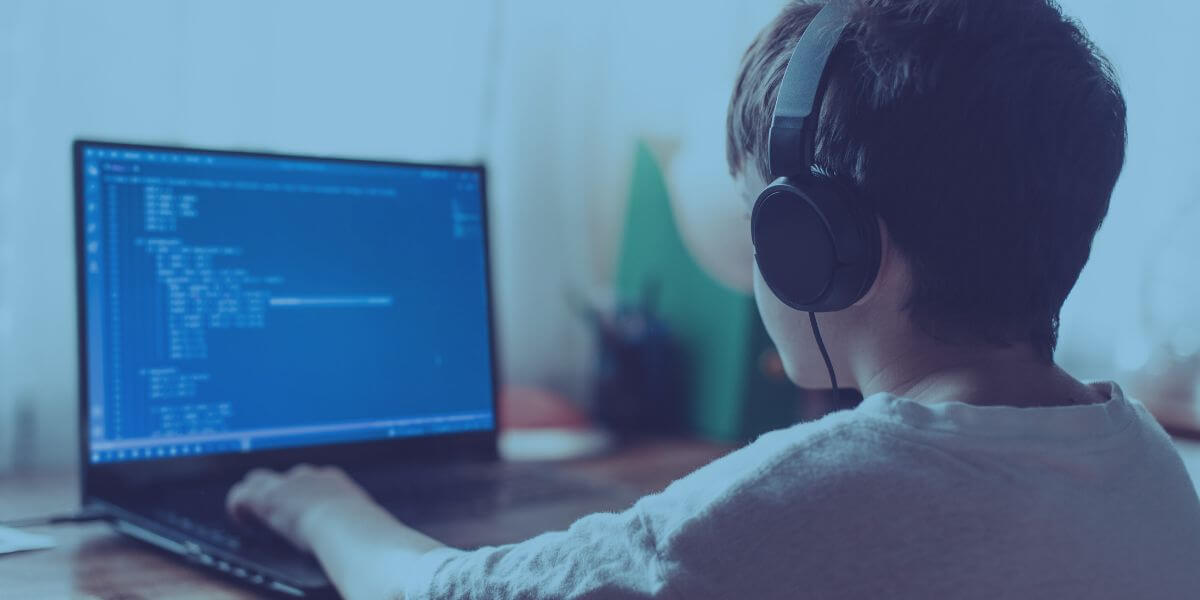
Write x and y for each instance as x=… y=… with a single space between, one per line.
x=1138 y=300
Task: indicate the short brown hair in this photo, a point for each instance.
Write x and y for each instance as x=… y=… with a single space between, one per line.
x=987 y=136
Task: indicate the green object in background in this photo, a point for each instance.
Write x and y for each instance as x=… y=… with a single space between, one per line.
x=732 y=396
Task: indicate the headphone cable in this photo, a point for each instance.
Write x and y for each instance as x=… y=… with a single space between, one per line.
x=812 y=318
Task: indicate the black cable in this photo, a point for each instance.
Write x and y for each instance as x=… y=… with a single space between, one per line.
x=812 y=318
x=79 y=517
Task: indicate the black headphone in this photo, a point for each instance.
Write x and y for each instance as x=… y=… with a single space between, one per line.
x=817 y=248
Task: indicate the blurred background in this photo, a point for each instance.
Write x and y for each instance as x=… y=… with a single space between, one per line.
x=568 y=104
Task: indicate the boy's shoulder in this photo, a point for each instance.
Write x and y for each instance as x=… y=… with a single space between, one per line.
x=841 y=453
x=794 y=496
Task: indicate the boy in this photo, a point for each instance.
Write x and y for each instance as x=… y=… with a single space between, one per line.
x=983 y=140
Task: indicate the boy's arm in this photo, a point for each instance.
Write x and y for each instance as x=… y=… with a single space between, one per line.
x=364 y=550
x=369 y=555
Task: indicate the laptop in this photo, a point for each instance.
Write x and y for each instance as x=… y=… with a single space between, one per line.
x=242 y=310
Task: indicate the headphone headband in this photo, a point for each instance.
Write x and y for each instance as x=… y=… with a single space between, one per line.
x=792 y=138
x=815 y=250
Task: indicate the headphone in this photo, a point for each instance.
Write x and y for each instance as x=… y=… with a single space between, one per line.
x=816 y=247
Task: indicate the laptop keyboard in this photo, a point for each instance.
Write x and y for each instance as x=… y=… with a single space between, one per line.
x=213 y=529
x=417 y=496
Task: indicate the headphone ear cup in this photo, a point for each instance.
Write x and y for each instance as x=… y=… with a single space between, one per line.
x=792 y=246
x=815 y=247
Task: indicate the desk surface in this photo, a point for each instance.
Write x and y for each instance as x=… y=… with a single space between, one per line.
x=91 y=561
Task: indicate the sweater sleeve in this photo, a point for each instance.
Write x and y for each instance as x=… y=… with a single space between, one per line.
x=604 y=555
x=668 y=545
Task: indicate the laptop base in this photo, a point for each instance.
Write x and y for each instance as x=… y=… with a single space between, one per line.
x=465 y=506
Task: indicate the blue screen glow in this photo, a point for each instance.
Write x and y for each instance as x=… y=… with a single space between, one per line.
x=244 y=302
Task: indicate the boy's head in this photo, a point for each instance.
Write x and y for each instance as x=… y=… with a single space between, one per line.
x=986 y=136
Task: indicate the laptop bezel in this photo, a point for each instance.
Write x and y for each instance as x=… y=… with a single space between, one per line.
x=118 y=481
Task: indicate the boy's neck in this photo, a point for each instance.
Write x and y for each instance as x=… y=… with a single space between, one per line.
x=931 y=372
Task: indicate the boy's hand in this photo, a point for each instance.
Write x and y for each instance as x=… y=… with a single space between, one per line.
x=287 y=503
x=321 y=510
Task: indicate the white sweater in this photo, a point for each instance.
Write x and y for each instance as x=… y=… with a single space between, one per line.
x=894 y=499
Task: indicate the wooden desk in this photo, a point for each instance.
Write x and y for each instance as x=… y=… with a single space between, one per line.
x=93 y=562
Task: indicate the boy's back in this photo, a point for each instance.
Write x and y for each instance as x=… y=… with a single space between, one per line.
x=895 y=499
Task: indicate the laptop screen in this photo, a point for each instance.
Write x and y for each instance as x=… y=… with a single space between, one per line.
x=240 y=302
